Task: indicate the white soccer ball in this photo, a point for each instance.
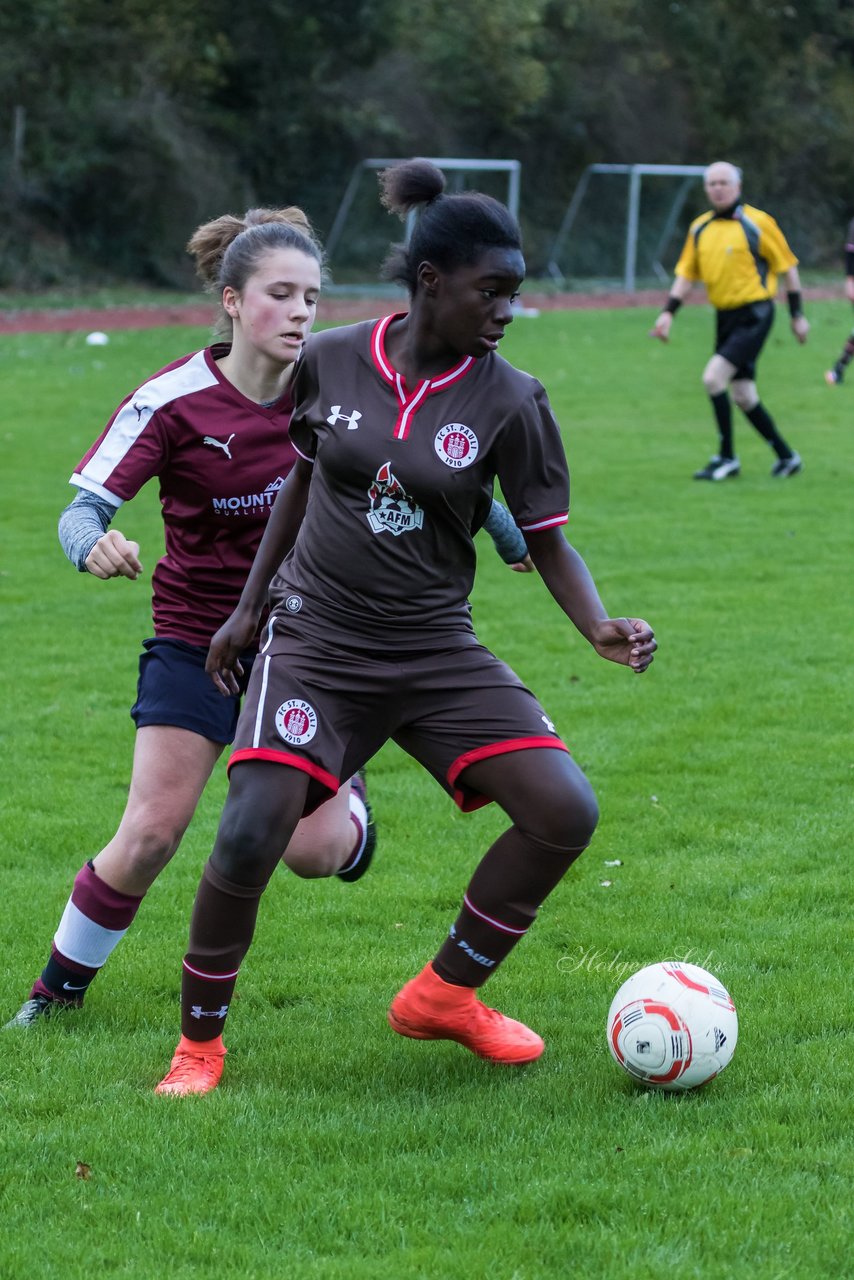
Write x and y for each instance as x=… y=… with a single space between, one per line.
x=672 y=1026
x=96 y=339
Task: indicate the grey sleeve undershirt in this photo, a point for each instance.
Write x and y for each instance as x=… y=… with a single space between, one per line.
x=505 y=533
x=82 y=523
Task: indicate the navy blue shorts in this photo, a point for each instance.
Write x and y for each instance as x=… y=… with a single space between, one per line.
x=173 y=689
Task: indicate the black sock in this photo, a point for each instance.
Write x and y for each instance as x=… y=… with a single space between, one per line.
x=723 y=416
x=64 y=980
x=761 y=419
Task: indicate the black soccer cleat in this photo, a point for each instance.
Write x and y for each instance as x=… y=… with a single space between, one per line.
x=787 y=466
x=718 y=468
x=36 y=1009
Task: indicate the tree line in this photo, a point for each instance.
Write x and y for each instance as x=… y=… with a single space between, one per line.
x=130 y=121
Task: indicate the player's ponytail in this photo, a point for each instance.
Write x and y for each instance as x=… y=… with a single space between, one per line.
x=451 y=230
x=227 y=249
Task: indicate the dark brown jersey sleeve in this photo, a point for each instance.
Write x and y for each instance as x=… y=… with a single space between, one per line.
x=531 y=464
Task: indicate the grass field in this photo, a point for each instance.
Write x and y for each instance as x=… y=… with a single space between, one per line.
x=335 y=1150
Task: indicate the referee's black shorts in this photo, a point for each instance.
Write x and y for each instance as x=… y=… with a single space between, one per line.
x=741 y=335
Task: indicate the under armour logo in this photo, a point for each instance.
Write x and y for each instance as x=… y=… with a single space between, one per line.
x=198 y=1012
x=218 y=444
x=351 y=419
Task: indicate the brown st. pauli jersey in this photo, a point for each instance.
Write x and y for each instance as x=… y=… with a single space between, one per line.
x=403 y=478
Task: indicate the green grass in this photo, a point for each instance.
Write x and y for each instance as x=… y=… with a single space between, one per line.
x=334 y=1150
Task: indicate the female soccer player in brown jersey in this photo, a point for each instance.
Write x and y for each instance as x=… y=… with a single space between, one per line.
x=402 y=426
x=213 y=428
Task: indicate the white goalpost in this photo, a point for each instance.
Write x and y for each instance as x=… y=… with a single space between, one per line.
x=455 y=166
x=662 y=231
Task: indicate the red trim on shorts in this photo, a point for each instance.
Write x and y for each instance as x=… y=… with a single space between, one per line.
x=283 y=757
x=484 y=753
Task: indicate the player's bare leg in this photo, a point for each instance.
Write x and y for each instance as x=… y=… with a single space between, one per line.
x=171 y=767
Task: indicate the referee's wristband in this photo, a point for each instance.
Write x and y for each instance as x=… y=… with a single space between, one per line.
x=673 y=304
x=796 y=304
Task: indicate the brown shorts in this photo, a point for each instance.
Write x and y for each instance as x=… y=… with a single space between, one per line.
x=325 y=708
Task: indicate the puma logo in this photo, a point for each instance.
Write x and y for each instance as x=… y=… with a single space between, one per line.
x=218 y=444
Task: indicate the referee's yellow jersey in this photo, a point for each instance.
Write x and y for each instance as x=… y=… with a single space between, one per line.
x=738 y=257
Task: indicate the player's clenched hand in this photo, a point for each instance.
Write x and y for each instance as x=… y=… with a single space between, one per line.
x=661 y=328
x=113 y=556
x=626 y=640
x=800 y=328
x=223 y=663
x=523 y=566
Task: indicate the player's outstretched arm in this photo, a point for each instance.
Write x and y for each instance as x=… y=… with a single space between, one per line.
x=800 y=324
x=679 y=291
x=629 y=641
x=222 y=664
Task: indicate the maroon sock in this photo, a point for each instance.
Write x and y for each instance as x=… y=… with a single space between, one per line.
x=514 y=877
x=221 y=930
x=95 y=920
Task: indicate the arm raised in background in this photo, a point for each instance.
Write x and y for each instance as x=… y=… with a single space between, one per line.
x=629 y=641
x=222 y=664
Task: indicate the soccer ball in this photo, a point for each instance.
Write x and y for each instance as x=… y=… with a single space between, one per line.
x=672 y=1026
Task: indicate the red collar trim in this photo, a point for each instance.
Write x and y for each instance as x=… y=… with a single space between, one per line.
x=410 y=402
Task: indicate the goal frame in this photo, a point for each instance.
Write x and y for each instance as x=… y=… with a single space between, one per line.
x=636 y=173
x=450 y=164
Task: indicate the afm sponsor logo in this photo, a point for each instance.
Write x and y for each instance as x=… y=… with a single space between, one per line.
x=246 y=503
x=393 y=510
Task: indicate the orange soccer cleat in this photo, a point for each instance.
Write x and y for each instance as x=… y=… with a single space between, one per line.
x=196 y=1067
x=428 y=1008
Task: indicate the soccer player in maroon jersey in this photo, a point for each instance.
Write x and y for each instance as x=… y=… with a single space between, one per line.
x=213 y=428
x=402 y=426
x=834 y=376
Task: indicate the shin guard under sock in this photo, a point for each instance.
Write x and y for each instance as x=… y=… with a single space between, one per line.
x=221 y=930
x=514 y=877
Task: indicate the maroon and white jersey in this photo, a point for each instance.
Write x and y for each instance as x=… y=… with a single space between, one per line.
x=403 y=477
x=220 y=459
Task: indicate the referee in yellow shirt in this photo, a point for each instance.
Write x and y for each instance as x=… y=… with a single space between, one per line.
x=738 y=252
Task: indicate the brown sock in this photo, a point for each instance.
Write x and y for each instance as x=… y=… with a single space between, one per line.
x=513 y=878
x=221 y=931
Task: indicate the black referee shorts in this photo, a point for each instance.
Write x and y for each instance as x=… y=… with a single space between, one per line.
x=741 y=335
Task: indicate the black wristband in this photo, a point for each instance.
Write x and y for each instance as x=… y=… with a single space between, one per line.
x=673 y=304
x=796 y=304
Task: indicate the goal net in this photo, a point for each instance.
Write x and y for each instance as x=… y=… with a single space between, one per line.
x=625 y=224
